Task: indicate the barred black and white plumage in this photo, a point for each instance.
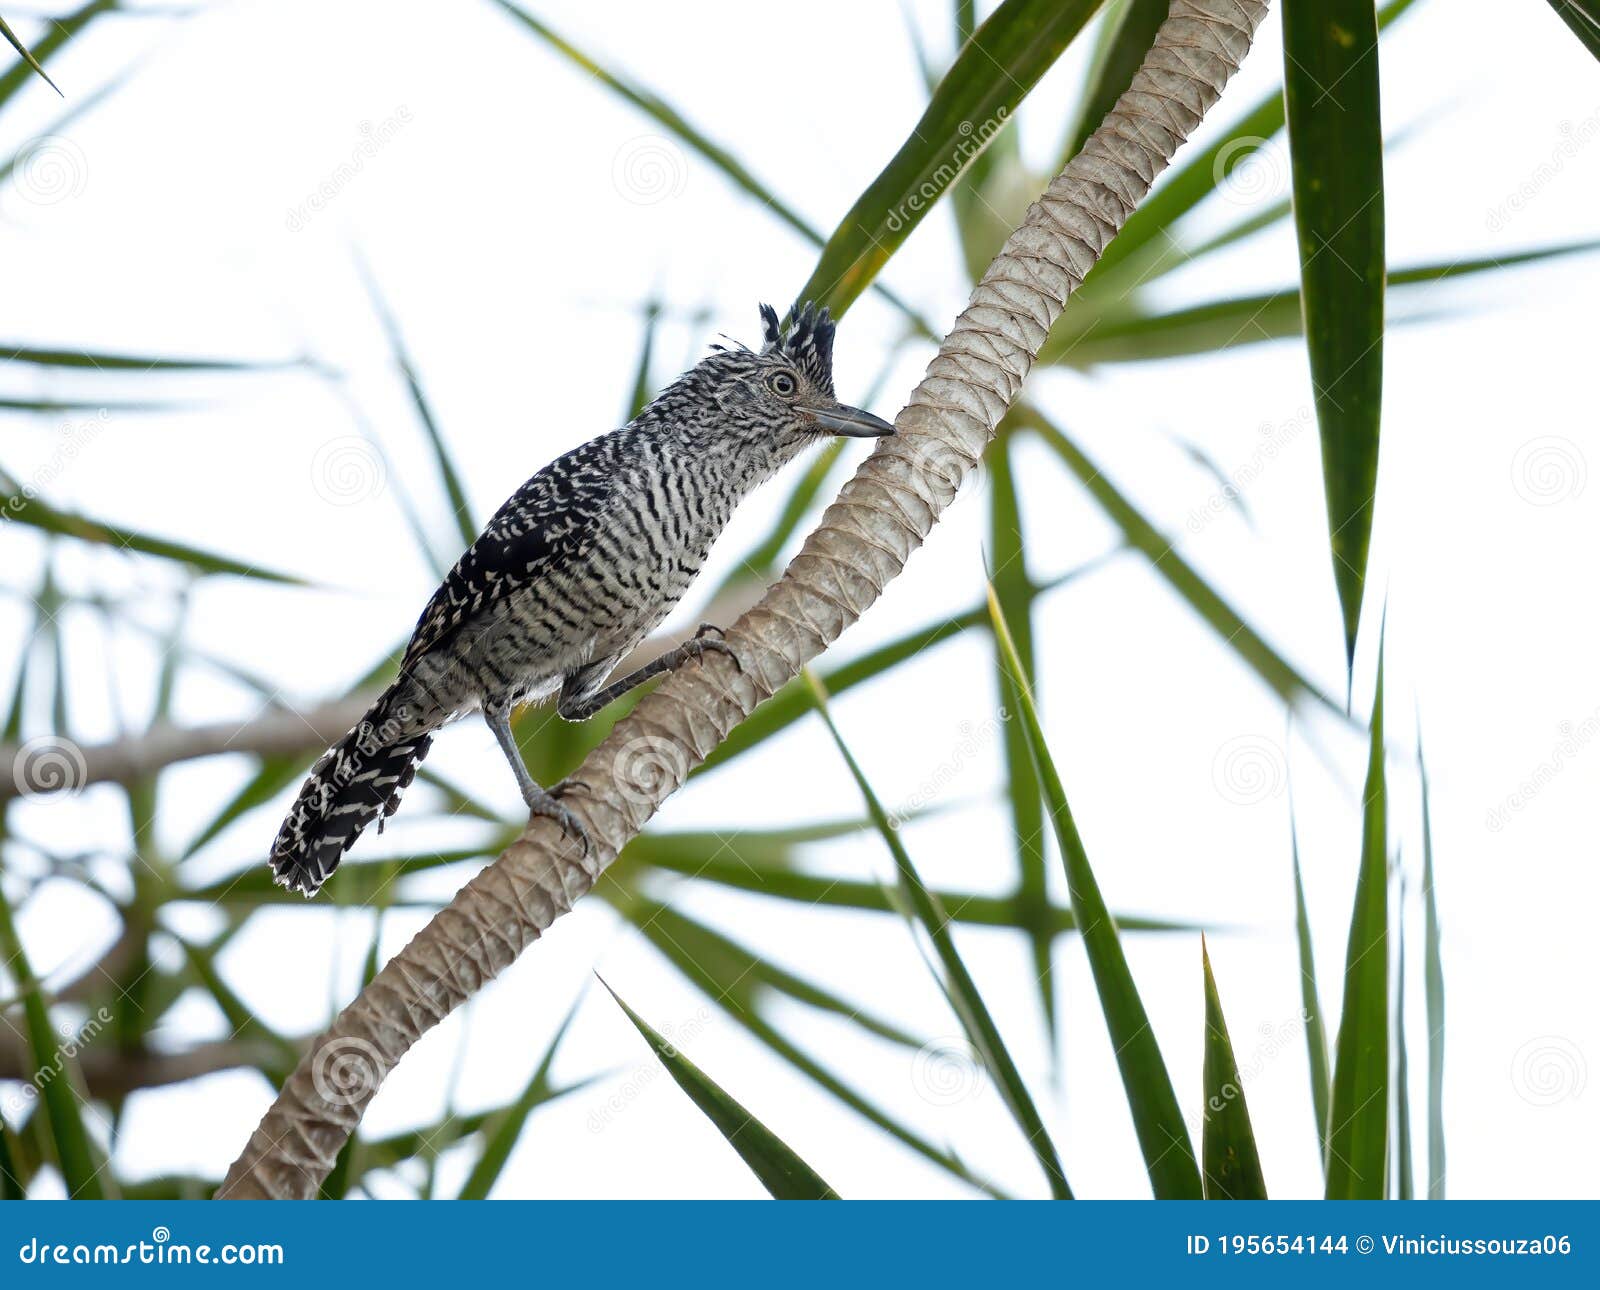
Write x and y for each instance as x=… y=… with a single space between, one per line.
x=578 y=566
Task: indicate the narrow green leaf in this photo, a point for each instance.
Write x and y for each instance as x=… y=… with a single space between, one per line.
x=742 y=873
x=991 y=75
x=1405 y=1188
x=1232 y=1165
x=793 y=701
x=12 y=1184
x=960 y=989
x=57 y=1072
x=20 y=508
x=27 y=55
x=274 y=775
x=664 y=115
x=1131 y=336
x=1310 y=1002
x=503 y=1130
x=104 y=361
x=1163 y=1136
x=1015 y=591
x=79 y=109
x=240 y=1017
x=1187 y=184
x=743 y=973
x=58 y=32
x=760 y=1028
x=449 y=477
x=1433 y=989
x=1143 y=536
x=1330 y=52
x=1129 y=32
x=643 y=386
x=1358 y=1117
x=1583 y=18
x=780 y=1170
x=254 y=886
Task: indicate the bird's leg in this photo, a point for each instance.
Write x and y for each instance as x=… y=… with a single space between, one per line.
x=539 y=801
x=573 y=705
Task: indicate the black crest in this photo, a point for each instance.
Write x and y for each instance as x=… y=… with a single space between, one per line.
x=808 y=343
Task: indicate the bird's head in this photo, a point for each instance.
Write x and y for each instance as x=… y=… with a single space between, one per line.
x=780 y=398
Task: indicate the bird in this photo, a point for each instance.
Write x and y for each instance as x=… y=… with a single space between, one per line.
x=573 y=571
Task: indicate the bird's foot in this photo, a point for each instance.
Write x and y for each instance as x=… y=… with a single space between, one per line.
x=709 y=639
x=547 y=803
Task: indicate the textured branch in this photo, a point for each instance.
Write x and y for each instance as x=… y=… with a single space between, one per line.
x=863 y=540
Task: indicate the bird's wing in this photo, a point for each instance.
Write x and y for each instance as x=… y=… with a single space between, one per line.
x=550 y=519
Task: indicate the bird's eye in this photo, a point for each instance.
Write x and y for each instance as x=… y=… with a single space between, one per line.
x=782 y=384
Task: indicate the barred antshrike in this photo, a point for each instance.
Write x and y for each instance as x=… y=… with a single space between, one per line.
x=572 y=572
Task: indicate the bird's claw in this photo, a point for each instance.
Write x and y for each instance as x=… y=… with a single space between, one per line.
x=711 y=638
x=550 y=806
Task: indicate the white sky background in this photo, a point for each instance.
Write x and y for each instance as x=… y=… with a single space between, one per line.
x=516 y=259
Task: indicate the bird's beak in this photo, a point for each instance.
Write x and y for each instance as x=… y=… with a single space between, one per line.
x=853 y=422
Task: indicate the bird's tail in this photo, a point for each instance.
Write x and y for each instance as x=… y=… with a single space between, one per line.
x=353 y=783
